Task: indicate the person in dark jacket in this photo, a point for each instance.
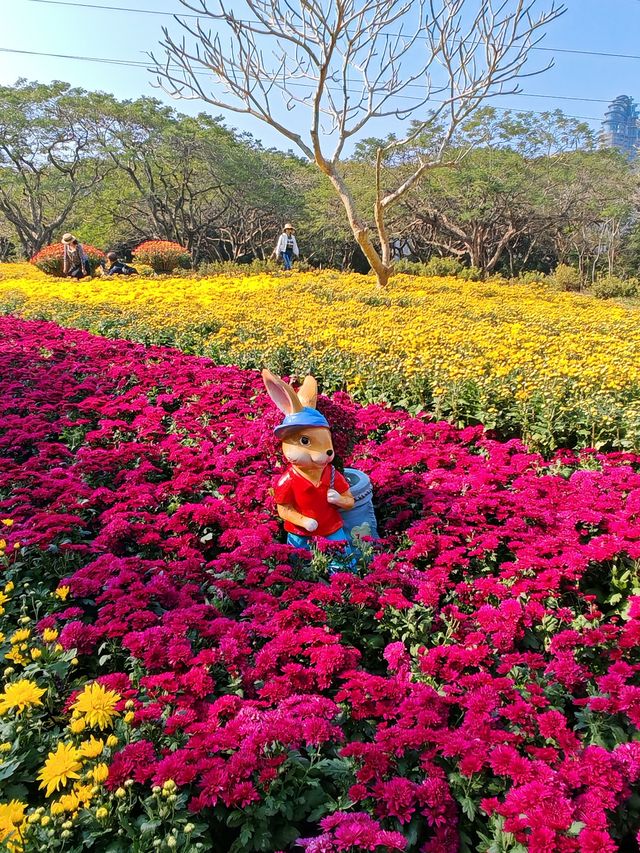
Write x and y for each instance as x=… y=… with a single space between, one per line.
x=115 y=266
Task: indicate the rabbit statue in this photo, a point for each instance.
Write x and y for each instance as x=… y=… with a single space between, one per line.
x=311 y=492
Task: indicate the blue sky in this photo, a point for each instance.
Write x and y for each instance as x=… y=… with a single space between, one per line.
x=609 y=26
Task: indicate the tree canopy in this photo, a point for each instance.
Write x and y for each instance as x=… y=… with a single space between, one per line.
x=530 y=191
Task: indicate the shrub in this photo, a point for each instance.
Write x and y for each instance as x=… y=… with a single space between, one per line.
x=567 y=278
x=472 y=274
x=529 y=277
x=235 y=269
x=145 y=271
x=610 y=287
x=443 y=267
x=51 y=259
x=162 y=255
x=406 y=267
x=438 y=267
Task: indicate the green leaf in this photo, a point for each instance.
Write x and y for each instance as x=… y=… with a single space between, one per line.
x=7 y=769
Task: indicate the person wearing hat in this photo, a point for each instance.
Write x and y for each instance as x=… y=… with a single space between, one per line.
x=75 y=262
x=287 y=246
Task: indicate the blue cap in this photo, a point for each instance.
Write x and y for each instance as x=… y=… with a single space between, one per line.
x=306 y=418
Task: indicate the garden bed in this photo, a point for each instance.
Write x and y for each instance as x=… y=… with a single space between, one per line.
x=556 y=369
x=174 y=677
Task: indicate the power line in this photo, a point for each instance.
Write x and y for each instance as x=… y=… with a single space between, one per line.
x=146 y=65
x=75 y=3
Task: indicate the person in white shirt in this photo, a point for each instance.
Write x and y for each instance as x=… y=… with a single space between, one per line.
x=287 y=247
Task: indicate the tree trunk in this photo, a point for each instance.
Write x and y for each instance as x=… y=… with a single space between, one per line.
x=359 y=229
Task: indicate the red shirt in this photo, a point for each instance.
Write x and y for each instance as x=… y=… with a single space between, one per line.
x=292 y=488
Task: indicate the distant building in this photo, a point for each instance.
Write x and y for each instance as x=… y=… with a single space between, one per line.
x=622 y=126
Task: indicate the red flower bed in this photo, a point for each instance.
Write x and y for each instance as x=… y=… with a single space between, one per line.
x=51 y=258
x=481 y=678
x=162 y=255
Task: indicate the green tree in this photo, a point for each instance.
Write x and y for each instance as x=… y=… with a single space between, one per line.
x=531 y=188
x=49 y=157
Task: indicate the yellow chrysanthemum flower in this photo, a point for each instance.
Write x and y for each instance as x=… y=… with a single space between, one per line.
x=15 y=656
x=49 y=635
x=100 y=773
x=66 y=803
x=60 y=766
x=20 y=636
x=84 y=793
x=91 y=748
x=98 y=705
x=77 y=726
x=62 y=592
x=11 y=817
x=20 y=695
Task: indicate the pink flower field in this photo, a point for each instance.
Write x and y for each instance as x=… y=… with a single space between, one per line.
x=474 y=687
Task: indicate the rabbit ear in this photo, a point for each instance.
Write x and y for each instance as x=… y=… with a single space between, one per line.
x=308 y=392
x=282 y=394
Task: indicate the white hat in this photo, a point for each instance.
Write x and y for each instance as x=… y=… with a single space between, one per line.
x=68 y=238
x=288 y=226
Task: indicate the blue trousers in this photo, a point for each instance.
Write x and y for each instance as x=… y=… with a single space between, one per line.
x=287 y=259
x=342 y=562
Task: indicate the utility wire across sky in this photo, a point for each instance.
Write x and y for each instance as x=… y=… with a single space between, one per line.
x=133 y=63
x=80 y=5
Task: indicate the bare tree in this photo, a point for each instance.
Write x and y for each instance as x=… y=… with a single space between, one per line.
x=346 y=63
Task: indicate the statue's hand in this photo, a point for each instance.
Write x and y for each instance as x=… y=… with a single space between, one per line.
x=310 y=525
x=334 y=497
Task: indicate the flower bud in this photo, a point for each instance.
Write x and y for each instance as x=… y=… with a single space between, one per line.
x=100 y=773
x=120 y=793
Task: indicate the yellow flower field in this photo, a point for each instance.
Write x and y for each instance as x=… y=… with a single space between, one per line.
x=558 y=368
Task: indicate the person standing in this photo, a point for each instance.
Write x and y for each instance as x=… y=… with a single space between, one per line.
x=287 y=246
x=75 y=262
